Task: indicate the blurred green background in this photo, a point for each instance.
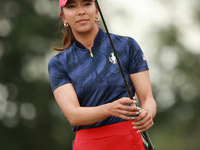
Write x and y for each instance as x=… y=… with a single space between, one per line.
x=168 y=32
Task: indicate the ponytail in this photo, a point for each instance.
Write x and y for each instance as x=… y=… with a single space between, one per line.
x=68 y=38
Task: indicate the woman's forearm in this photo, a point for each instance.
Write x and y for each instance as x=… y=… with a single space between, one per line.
x=87 y=115
x=78 y=116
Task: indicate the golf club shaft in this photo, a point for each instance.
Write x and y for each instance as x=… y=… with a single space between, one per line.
x=120 y=67
x=121 y=70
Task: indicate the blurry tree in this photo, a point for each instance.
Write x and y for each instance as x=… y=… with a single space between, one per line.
x=177 y=123
x=31 y=119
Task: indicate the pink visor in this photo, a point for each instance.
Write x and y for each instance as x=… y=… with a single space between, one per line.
x=62 y=3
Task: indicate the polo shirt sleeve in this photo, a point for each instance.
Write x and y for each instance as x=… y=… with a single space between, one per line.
x=57 y=73
x=137 y=61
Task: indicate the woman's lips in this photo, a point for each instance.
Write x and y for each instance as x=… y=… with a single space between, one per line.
x=82 y=21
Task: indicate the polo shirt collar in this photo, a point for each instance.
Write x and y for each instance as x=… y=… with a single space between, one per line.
x=97 y=40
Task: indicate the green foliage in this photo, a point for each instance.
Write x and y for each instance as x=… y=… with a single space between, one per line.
x=29 y=116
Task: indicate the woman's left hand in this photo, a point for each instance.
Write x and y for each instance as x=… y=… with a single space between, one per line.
x=144 y=121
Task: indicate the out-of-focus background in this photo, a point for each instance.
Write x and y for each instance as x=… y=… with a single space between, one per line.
x=168 y=31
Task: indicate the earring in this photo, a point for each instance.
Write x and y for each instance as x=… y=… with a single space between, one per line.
x=96 y=19
x=66 y=25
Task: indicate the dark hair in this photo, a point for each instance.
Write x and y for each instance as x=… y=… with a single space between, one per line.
x=68 y=37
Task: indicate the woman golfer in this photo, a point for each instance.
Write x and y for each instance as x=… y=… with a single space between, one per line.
x=88 y=86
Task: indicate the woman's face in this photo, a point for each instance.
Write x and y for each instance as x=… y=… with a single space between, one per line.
x=80 y=15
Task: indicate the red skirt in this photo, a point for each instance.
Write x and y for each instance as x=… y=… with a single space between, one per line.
x=119 y=136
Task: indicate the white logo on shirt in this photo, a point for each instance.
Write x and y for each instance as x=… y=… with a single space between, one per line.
x=113 y=58
x=143 y=57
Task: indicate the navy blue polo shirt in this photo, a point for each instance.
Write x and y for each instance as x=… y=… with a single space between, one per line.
x=97 y=80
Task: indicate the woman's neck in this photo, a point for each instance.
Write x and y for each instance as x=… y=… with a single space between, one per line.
x=87 y=38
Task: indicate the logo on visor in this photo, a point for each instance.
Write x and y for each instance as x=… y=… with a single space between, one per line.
x=113 y=58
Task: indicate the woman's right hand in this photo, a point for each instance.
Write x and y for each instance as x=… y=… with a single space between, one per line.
x=78 y=116
x=119 y=108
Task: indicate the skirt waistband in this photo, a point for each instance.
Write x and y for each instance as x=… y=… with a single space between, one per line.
x=105 y=130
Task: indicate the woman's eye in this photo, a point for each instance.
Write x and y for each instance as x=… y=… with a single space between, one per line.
x=87 y=4
x=70 y=6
